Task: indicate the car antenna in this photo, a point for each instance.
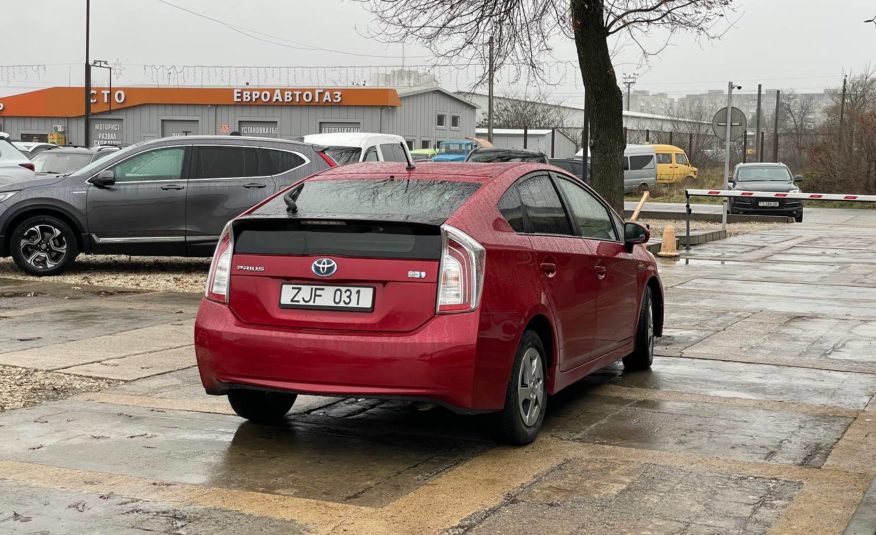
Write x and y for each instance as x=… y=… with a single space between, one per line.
x=410 y=160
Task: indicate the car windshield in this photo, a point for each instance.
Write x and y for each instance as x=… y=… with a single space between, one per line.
x=99 y=163
x=454 y=148
x=505 y=156
x=343 y=155
x=51 y=162
x=417 y=199
x=8 y=152
x=763 y=174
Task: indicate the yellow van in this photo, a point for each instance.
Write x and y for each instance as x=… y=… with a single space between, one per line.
x=673 y=165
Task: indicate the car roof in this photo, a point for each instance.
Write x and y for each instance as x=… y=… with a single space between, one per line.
x=449 y=171
x=67 y=150
x=639 y=150
x=352 y=139
x=761 y=164
x=458 y=141
x=666 y=147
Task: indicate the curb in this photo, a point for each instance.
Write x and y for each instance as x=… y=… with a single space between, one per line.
x=863 y=522
x=697 y=237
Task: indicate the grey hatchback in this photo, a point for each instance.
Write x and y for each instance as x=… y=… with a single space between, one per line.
x=166 y=197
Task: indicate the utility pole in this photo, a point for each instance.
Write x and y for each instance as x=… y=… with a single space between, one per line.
x=729 y=120
x=87 y=75
x=490 y=75
x=757 y=133
x=629 y=81
x=776 y=126
x=842 y=114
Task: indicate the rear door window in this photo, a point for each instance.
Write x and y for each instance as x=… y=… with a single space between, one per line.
x=226 y=162
x=393 y=152
x=543 y=207
x=512 y=209
x=274 y=162
x=592 y=216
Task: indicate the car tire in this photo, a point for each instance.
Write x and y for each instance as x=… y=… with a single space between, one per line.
x=798 y=217
x=643 y=355
x=261 y=407
x=526 y=399
x=43 y=245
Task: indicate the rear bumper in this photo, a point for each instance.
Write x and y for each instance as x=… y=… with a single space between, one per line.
x=436 y=362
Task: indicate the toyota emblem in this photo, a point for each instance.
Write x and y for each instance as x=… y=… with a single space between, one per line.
x=324 y=267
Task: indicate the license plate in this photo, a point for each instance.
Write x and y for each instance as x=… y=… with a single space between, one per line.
x=320 y=297
x=768 y=204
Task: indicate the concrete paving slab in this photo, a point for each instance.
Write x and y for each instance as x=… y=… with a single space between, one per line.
x=789 y=339
x=138 y=366
x=821 y=255
x=709 y=429
x=302 y=460
x=83 y=320
x=83 y=351
x=792 y=290
x=34 y=510
x=601 y=497
x=748 y=381
x=833 y=308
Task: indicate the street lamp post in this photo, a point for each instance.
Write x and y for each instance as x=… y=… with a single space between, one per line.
x=87 y=124
x=103 y=64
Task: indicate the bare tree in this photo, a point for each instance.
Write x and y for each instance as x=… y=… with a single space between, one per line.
x=537 y=112
x=461 y=30
x=799 y=124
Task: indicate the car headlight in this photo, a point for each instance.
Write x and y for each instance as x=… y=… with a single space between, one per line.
x=6 y=194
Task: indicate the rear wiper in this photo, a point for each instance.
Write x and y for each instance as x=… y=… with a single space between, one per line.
x=291 y=197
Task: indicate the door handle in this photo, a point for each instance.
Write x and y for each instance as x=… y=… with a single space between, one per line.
x=549 y=269
x=254 y=185
x=600 y=272
x=172 y=187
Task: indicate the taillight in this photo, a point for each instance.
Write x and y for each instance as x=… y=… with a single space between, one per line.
x=328 y=159
x=219 y=278
x=461 y=279
x=28 y=165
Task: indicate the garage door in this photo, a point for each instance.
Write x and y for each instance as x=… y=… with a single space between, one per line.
x=259 y=128
x=175 y=127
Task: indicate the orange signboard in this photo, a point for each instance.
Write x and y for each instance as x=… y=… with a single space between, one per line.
x=70 y=101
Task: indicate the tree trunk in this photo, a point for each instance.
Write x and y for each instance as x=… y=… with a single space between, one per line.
x=600 y=83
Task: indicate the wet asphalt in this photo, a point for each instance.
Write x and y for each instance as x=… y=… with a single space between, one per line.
x=758 y=417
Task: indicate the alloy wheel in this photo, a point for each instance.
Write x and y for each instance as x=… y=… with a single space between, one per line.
x=530 y=387
x=43 y=246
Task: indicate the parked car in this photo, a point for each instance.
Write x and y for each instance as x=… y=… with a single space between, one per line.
x=574 y=166
x=673 y=165
x=32 y=148
x=480 y=287
x=423 y=154
x=14 y=165
x=775 y=177
x=640 y=168
x=170 y=196
x=63 y=160
x=454 y=150
x=352 y=147
x=482 y=155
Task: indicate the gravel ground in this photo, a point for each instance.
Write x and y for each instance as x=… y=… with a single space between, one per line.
x=173 y=274
x=22 y=387
x=168 y=274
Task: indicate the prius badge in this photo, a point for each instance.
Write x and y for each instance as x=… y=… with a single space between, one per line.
x=324 y=267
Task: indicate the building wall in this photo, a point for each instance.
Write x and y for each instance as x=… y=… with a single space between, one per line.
x=415 y=119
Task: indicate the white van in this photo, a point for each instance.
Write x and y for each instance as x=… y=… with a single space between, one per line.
x=640 y=168
x=352 y=147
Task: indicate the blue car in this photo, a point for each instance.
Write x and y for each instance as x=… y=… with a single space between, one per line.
x=454 y=150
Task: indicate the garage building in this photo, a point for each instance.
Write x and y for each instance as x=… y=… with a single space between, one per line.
x=127 y=115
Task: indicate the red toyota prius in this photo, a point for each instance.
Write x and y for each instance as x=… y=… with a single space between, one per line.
x=479 y=287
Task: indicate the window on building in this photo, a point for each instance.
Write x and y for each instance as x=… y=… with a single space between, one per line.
x=410 y=144
x=426 y=144
x=454 y=121
x=442 y=121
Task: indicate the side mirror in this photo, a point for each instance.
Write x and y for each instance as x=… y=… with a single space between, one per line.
x=635 y=233
x=799 y=178
x=104 y=178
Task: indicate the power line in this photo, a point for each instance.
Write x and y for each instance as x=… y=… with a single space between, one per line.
x=273 y=39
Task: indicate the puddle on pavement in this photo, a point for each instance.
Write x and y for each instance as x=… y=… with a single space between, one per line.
x=12 y=295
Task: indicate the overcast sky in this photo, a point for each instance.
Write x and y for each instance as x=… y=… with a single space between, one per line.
x=802 y=44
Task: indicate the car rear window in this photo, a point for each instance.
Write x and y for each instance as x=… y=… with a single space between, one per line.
x=59 y=162
x=344 y=155
x=422 y=200
x=9 y=152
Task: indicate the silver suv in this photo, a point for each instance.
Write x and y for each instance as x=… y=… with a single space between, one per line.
x=168 y=197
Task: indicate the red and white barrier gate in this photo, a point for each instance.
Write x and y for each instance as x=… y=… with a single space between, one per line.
x=688 y=193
